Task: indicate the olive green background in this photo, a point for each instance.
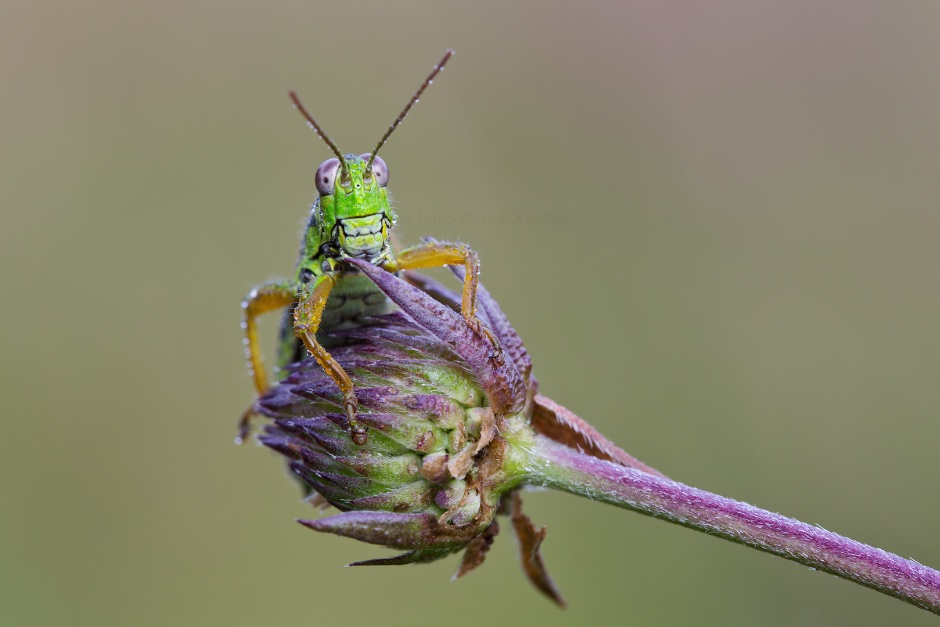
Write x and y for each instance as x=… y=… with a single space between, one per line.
x=715 y=225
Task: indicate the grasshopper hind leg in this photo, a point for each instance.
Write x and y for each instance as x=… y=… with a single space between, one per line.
x=264 y=298
x=292 y=350
x=301 y=322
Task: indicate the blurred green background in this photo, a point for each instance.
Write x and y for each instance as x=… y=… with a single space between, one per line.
x=715 y=225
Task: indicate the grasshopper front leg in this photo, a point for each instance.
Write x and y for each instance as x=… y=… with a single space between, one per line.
x=434 y=254
x=307 y=316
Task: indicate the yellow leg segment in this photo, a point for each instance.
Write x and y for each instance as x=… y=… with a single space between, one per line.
x=262 y=299
x=433 y=254
x=307 y=316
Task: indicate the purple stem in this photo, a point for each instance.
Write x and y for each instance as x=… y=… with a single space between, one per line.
x=555 y=466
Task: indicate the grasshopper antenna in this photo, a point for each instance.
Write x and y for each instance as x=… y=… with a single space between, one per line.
x=319 y=131
x=411 y=103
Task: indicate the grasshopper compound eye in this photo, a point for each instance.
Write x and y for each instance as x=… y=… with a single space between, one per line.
x=379 y=169
x=326 y=176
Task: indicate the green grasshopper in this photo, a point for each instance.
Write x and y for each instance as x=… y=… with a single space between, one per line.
x=351 y=218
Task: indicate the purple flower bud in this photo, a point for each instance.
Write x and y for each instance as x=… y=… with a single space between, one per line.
x=442 y=413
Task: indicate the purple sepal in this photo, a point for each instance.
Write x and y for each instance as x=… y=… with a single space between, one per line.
x=565 y=427
x=412 y=532
x=439 y=292
x=411 y=557
x=500 y=326
x=410 y=496
x=500 y=380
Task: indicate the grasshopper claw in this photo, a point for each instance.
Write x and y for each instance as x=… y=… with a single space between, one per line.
x=244 y=425
x=476 y=325
x=359 y=433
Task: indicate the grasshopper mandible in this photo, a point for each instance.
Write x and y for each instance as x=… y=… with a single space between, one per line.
x=351 y=218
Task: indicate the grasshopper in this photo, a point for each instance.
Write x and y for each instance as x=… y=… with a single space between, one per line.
x=351 y=218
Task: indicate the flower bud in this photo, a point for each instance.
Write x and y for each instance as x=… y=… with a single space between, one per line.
x=444 y=405
x=430 y=477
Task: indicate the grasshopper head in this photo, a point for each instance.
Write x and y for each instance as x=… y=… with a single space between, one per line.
x=354 y=206
x=353 y=216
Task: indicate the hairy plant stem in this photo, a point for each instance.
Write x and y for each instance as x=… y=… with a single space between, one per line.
x=548 y=464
